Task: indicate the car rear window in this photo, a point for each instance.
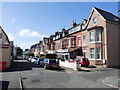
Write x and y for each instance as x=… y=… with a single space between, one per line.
x=45 y=60
x=35 y=58
x=52 y=61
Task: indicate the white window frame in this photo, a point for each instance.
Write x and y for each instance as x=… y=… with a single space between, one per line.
x=72 y=41
x=98 y=53
x=84 y=41
x=99 y=36
x=79 y=41
x=69 y=42
x=93 y=53
x=94 y=21
x=92 y=38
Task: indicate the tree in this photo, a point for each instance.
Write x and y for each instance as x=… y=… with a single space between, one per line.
x=30 y=54
x=19 y=51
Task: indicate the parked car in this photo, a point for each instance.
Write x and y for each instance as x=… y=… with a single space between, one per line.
x=83 y=61
x=71 y=61
x=39 y=61
x=33 y=59
x=50 y=63
x=29 y=59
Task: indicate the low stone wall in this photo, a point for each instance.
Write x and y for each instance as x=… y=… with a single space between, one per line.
x=72 y=65
x=96 y=62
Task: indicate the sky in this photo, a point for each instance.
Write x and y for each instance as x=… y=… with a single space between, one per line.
x=26 y=23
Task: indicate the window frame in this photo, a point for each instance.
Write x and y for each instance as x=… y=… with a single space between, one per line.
x=84 y=40
x=94 y=21
x=73 y=42
x=98 y=53
x=93 y=53
x=98 y=35
x=79 y=40
x=92 y=39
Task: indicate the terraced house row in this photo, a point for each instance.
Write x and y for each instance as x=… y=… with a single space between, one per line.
x=96 y=38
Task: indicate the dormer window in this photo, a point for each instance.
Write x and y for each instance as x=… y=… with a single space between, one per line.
x=57 y=37
x=53 y=38
x=63 y=34
x=94 y=21
x=83 y=24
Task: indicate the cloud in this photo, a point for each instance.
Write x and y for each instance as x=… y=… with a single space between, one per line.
x=26 y=45
x=29 y=33
x=12 y=21
x=11 y=37
x=17 y=27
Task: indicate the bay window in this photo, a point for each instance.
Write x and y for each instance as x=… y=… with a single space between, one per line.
x=91 y=53
x=68 y=42
x=92 y=36
x=78 y=40
x=73 y=41
x=98 y=53
x=98 y=35
x=84 y=39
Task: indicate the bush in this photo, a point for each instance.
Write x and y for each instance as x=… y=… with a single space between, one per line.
x=42 y=56
x=30 y=54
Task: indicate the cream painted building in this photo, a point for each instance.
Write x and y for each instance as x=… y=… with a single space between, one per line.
x=100 y=39
x=5 y=49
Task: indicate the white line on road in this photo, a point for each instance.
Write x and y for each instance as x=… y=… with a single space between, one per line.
x=113 y=86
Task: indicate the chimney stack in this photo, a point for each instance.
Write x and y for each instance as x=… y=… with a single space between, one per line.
x=73 y=24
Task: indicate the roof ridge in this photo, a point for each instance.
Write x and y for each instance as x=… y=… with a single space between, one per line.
x=105 y=12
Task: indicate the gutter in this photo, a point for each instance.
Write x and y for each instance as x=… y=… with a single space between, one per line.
x=21 y=83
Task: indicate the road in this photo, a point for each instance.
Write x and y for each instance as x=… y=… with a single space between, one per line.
x=35 y=77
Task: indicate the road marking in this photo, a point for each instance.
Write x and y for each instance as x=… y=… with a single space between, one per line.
x=113 y=86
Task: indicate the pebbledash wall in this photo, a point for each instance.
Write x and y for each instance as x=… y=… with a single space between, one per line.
x=5 y=49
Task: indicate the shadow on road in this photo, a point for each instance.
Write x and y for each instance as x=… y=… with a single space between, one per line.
x=57 y=69
x=4 y=85
x=23 y=65
x=20 y=66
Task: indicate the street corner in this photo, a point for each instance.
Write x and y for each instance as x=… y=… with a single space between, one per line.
x=111 y=81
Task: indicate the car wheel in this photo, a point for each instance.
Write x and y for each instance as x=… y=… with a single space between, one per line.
x=87 y=65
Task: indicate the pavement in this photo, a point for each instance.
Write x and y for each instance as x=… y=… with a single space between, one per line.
x=96 y=68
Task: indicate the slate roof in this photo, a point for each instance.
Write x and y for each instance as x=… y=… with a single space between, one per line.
x=108 y=16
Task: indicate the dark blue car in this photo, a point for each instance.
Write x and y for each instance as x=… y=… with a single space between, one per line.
x=38 y=61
